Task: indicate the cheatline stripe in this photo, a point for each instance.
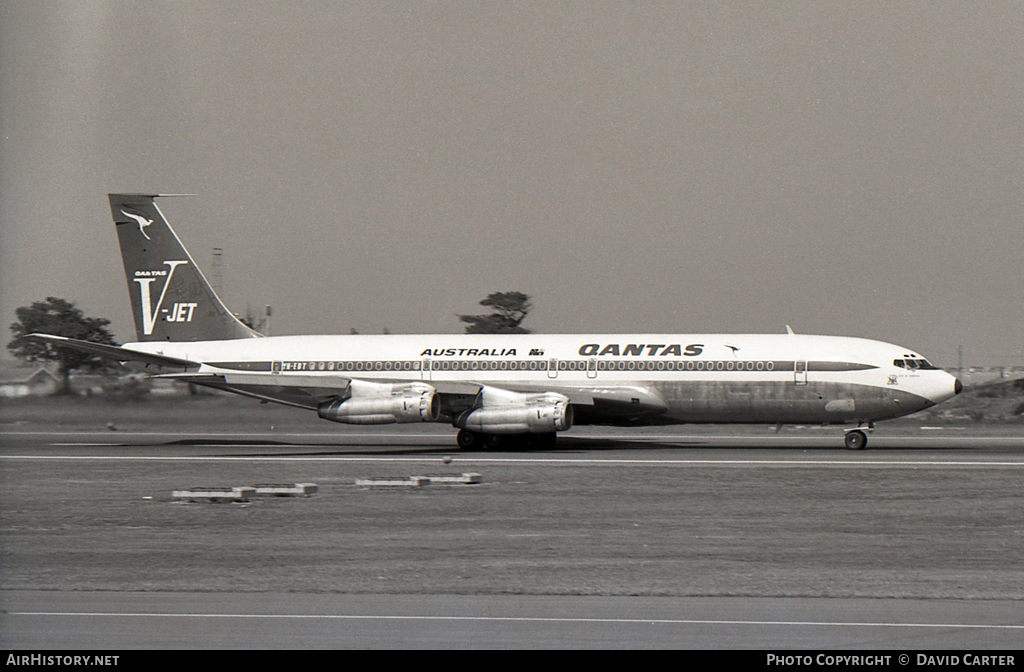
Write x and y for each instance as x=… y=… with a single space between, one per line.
x=813 y=434
x=524 y=619
x=513 y=460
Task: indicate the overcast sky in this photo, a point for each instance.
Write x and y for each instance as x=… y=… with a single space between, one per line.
x=849 y=168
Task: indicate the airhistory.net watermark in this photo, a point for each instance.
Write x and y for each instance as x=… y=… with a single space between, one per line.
x=56 y=660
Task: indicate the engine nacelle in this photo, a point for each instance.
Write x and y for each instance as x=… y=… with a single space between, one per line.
x=383 y=404
x=515 y=413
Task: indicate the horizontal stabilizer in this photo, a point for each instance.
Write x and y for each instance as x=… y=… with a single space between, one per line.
x=116 y=353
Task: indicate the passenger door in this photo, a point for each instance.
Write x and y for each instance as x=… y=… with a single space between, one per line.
x=800 y=372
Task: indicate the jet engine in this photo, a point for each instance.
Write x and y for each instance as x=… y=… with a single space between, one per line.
x=383 y=403
x=504 y=412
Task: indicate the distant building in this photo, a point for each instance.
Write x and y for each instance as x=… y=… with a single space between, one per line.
x=28 y=383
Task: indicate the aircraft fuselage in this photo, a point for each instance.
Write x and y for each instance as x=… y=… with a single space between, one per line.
x=610 y=379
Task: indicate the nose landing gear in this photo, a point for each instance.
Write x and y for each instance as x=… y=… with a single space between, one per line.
x=856 y=440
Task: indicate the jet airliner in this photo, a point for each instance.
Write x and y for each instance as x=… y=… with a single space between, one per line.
x=497 y=388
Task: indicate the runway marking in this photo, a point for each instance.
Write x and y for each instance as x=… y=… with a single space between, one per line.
x=525 y=619
x=613 y=462
x=82 y=444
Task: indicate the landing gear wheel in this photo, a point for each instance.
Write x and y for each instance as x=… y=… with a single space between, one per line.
x=468 y=440
x=856 y=440
x=493 y=441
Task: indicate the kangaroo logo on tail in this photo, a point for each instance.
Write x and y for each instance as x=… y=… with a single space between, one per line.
x=143 y=223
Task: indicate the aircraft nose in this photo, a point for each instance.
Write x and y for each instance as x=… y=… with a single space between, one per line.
x=958 y=387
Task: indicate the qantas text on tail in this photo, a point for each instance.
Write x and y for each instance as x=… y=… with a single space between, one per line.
x=495 y=388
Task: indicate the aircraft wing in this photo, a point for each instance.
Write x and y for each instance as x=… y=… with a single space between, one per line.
x=311 y=391
x=291 y=390
x=603 y=404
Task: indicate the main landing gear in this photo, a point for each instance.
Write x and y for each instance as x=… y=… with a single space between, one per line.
x=468 y=440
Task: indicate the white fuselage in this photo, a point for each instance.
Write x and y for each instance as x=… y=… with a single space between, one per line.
x=666 y=378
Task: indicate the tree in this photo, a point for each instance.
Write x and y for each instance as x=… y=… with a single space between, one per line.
x=60 y=318
x=509 y=309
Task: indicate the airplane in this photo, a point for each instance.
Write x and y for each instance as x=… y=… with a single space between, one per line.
x=500 y=388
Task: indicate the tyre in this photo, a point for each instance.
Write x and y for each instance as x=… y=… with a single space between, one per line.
x=468 y=440
x=856 y=440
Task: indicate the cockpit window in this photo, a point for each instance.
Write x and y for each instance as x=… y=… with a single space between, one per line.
x=914 y=364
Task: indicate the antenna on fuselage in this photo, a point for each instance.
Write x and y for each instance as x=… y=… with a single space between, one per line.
x=789 y=330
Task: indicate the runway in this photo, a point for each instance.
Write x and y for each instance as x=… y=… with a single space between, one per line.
x=906 y=443
x=707 y=539
x=90 y=621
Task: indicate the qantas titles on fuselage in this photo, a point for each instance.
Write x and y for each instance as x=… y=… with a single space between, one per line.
x=588 y=350
x=636 y=350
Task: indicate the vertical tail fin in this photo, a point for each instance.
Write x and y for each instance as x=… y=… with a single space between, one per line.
x=171 y=300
